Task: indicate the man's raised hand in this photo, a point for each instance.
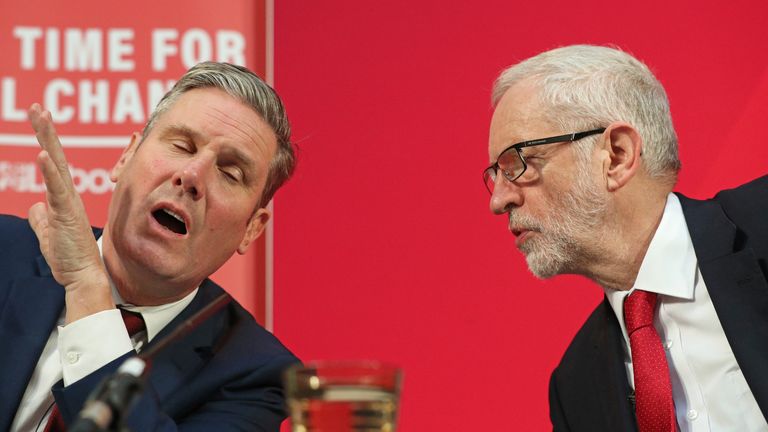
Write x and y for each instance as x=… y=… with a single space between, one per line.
x=62 y=227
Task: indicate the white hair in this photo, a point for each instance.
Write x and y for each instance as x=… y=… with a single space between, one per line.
x=584 y=87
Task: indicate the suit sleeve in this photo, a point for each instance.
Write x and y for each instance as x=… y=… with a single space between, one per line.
x=253 y=402
x=556 y=414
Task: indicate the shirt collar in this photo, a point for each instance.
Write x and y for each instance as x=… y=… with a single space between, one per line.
x=669 y=265
x=155 y=317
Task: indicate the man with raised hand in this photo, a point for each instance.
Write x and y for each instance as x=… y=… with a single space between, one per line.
x=190 y=190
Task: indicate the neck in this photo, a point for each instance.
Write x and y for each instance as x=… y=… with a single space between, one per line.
x=625 y=242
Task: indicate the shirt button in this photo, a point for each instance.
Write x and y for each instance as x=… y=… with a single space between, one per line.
x=692 y=414
x=668 y=344
x=73 y=357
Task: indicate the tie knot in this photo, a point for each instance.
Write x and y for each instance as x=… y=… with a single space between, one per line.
x=638 y=310
x=134 y=322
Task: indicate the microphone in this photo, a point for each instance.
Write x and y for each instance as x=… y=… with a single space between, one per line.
x=110 y=401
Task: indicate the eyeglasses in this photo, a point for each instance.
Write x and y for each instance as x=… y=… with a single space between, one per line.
x=512 y=163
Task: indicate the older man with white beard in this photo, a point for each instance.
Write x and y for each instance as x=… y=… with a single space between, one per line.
x=583 y=162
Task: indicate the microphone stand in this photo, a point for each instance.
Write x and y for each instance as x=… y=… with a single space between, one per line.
x=107 y=405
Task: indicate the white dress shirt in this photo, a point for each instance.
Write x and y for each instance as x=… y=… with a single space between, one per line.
x=708 y=387
x=80 y=348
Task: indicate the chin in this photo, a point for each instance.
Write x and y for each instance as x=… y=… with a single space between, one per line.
x=543 y=273
x=544 y=265
x=148 y=259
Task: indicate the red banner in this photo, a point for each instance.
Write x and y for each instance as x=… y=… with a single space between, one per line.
x=100 y=70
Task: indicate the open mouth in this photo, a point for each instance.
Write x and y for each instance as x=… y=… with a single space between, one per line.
x=170 y=220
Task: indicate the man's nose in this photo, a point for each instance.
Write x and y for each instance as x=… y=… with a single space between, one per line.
x=506 y=195
x=192 y=177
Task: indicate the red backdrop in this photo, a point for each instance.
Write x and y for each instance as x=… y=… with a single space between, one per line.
x=384 y=245
x=100 y=67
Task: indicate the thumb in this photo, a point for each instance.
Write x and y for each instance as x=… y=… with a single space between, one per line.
x=38 y=219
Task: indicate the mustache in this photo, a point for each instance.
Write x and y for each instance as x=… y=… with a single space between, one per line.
x=519 y=220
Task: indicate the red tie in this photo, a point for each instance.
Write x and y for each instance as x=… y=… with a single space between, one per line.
x=134 y=323
x=653 y=390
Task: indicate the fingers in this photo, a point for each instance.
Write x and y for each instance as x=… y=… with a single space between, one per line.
x=63 y=200
x=38 y=220
x=59 y=196
x=62 y=227
x=45 y=132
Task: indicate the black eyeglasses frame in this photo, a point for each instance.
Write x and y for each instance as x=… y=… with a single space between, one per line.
x=494 y=168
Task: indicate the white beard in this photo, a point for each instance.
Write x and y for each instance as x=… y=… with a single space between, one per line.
x=557 y=244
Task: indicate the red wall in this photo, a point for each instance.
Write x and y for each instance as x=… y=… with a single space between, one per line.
x=384 y=245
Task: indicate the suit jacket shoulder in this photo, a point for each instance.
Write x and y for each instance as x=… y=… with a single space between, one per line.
x=17 y=240
x=747 y=207
x=19 y=249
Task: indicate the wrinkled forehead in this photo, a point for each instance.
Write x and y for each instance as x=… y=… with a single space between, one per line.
x=517 y=117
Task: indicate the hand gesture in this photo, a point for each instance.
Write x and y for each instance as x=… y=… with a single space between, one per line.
x=62 y=228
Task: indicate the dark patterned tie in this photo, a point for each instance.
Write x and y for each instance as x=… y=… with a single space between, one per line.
x=655 y=408
x=134 y=323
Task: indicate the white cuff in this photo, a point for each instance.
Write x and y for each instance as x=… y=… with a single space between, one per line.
x=90 y=343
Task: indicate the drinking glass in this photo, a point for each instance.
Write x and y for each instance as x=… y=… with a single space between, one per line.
x=343 y=396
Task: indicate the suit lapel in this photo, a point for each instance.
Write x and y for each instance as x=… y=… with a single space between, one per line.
x=609 y=375
x=175 y=363
x=30 y=313
x=738 y=290
x=590 y=385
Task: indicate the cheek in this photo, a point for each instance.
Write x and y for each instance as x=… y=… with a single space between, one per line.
x=143 y=168
x=224 y=231
x=229 y=216
x=152 y=174
x=160 y=166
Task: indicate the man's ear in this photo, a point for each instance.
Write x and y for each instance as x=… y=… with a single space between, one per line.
x=623 y=145
x=255 y=228
x=125 y=157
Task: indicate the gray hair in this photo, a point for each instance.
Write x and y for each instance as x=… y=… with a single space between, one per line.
x=583 y=87
x=248 y=88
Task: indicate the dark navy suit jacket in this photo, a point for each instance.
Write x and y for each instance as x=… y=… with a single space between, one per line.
x=225 y=375
x=589 y=390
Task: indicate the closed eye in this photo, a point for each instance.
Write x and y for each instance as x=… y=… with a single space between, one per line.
x=232 y=174
x=183 y=146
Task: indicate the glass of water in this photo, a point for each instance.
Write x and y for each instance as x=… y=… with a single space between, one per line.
x=343 y=396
